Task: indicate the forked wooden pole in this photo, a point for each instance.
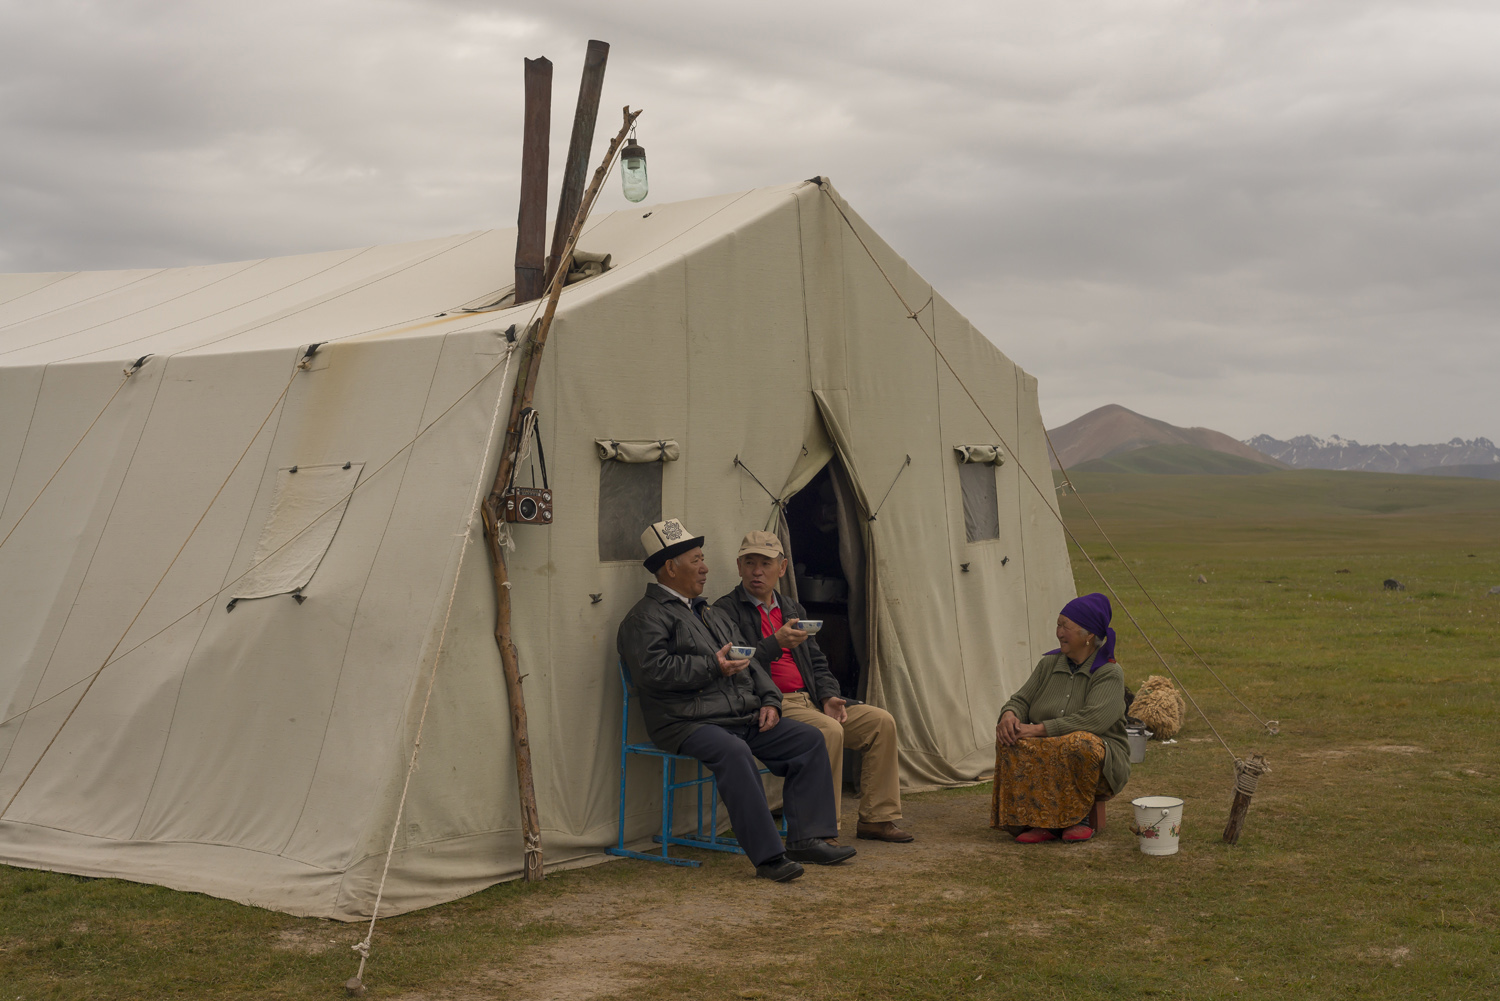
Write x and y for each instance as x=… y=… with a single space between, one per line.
x=531 y=827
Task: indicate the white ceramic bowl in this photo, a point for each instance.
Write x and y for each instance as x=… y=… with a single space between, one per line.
x=810 y=626
x=741 y=652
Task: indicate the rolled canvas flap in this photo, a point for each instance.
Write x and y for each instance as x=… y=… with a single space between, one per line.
x=665 y=450
x=986 y=454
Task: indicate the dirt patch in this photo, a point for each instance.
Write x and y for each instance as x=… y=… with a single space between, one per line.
x=714 y=914
x=1400 y=749
x=306 y=941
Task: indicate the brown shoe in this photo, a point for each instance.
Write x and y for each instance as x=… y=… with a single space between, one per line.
x=884 y=831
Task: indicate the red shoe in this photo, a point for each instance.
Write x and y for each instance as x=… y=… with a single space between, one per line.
x=1078 y=832
x=1035 y=836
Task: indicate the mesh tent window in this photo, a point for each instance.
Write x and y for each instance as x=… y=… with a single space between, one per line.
x=630 y=476
x=976 y=480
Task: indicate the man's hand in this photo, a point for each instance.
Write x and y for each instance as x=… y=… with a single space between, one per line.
x=769 y=717
x=789 y=636
x=835 y=707
x=729 y=668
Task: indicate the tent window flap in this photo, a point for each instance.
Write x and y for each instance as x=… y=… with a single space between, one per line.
x=306 y=511
x=981 y=505
x=661 y=450
x=989 y=455
x=629 y=494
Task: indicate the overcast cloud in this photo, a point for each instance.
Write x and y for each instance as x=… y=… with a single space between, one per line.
x=1254 y=216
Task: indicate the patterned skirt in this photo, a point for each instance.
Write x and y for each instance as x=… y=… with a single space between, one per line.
x=1047 y=781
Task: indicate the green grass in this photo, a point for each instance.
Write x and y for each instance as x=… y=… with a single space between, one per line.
x=1368 y=867
x=1176 y=460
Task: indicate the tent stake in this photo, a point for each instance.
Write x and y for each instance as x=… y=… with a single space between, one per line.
x=526 y=379
x=1247 y=774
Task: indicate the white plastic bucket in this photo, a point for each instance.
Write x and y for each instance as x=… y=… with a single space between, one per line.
x=1137 y=736
x=1158 y=822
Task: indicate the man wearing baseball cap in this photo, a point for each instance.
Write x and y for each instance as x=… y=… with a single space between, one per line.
x=699 y=700
x=809 y=691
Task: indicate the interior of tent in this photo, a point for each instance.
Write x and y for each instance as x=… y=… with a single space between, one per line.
x=239 y=574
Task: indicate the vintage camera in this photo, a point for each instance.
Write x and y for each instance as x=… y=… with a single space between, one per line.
x=528 y=505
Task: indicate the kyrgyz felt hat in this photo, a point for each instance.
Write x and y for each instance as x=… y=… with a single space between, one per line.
x=764 y=543
x=667 y=539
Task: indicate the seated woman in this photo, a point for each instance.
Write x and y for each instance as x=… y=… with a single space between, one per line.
x=1060 y=742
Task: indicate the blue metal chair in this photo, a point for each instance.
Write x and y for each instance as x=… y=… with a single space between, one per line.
x=705 y=833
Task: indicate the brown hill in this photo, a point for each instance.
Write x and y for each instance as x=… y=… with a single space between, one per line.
x=1112 y=429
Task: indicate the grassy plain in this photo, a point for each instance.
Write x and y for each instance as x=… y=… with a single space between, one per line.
x=1368 y=868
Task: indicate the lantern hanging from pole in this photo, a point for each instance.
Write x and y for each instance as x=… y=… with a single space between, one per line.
x=633 y=170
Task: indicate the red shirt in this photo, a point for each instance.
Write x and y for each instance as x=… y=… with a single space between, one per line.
x=784 y=670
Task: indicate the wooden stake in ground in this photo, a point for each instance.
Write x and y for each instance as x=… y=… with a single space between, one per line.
x=1247 y=774
x=531 y=362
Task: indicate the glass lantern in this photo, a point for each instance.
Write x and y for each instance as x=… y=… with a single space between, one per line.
x=633 y=170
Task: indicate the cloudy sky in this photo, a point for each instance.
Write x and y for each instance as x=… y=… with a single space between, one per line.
x=1278 y=217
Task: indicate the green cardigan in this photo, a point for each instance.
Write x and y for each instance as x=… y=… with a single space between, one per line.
x=1064 y=701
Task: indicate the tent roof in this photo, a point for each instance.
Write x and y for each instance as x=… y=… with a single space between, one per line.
x=284 y=302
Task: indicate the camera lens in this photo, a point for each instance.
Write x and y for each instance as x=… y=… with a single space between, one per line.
x=528 y=508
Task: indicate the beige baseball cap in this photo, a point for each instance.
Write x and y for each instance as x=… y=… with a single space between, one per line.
x=764 y=543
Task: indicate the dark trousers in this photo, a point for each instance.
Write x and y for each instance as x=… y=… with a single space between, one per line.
x=792 y=750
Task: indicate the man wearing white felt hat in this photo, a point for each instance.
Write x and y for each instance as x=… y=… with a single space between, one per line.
x=698 y=699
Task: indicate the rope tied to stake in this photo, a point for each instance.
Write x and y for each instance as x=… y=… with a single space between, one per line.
x=1247 y=773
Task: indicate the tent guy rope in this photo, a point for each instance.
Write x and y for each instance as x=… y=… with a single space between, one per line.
x=364 y=481
x=129 y=371
x=275 y=405
x=362 y=947
x=913 y=316
x=1272 y=727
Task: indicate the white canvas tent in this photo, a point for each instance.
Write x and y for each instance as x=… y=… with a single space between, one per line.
x=258 y=752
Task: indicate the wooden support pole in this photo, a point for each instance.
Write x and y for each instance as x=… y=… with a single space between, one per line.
x=582 y=142
x=526 y=378
x=531 y=216
x=1247 y=774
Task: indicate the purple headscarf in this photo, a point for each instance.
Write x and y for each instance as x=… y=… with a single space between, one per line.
x=1093 y=612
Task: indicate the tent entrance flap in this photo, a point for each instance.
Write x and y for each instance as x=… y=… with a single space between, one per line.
x=306 y=511
x=827 y=551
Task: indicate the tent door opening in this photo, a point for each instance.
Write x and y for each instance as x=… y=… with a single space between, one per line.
x=826 y=530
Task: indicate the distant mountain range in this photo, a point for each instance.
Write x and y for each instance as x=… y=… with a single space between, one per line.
x=1476 y=457
x=1112 y=430
x=1113 y=439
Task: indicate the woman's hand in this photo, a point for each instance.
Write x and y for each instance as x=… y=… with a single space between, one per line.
x=1010 y=729
x=1005 y=730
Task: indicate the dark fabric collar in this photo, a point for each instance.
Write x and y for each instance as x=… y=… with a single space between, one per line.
x=661 y=594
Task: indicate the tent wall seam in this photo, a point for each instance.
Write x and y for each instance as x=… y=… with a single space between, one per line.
x=83 y=578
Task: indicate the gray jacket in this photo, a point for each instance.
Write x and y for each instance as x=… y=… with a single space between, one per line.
x=740 y=606
x=670 y=653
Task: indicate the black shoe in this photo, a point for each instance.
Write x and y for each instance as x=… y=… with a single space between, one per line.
x=780 y=869
x=818 y=852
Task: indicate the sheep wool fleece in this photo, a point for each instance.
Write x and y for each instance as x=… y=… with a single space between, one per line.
x=1064 y=700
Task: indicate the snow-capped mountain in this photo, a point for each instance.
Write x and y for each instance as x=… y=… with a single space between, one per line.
x=1309 y=452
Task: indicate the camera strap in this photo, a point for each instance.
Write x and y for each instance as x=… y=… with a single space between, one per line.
x=530 y=428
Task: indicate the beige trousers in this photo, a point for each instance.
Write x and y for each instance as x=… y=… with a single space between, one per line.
x=870 y=731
